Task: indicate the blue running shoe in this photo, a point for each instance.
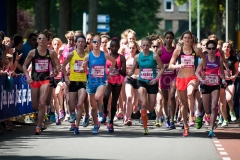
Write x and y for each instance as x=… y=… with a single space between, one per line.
x=52 y=118
x=172 y=125
x=211 y=134
x=110 y=128
x=76 y=130
x=85 y=121
x=95 y=129
x=72 y=118
x=58 y=122
x=167 y=122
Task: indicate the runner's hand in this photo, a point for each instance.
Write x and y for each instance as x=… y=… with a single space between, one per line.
x=29 y=80
x=126 y=78
x=153 y=81
x=67 y=81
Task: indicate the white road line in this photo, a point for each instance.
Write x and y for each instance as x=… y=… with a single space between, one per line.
x=220 y=149
x=223 y=153
x=226 y=158
x=218 y=145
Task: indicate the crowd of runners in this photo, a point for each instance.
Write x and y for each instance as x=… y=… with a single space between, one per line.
x=103 y=79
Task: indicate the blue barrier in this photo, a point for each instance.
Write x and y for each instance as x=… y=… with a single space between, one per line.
x=15 y=97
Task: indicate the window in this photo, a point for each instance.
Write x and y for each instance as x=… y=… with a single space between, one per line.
x=182 y=8
x=168 y=5
x=168 y=25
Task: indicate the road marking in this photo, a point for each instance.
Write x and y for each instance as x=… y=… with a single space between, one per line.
x=216 y=141
x=223 y=153
x=218 y=145
x=220 y=149
x=226 y=158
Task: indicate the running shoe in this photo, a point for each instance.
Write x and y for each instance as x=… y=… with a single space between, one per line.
x=72 y=127
x=157 y=122
x=207 y=119
x=100 y=116
x=191 y=121
x=172 y=125
x=72 y=118
x=160 y=122
x=58 y=122
x=52 y=118
x=145 y=131
x=104 y=119
x=175 y=119
x=120 y=115
x=110 y=128
x=185 y=132
x=128 y=122
x=61 y=114
x=85 y=121
x=44 y=126
x=198 y=123
x=135 y=109
x=46 y=118
x=167 y=122
x=76 y=130
x=95 y=129
x=37 y=131
x=220 y=120
x=225 y=123
x=179 y=120
x=233 y=116
x=211 y=133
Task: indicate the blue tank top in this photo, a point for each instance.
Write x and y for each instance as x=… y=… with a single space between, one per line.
x=97 y=68
x=147 y=67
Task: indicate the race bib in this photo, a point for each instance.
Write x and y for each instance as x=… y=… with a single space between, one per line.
x=98 y=71
x=41 y=65
x=114 y=72
x=168 y=71
x=212 y=80
x=77 y=66
x=187 y=60
x=226 y=75
x=146 y=73
x=59 y=76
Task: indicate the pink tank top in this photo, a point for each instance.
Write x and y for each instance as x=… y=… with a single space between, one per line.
x=165 y=58
x=116 y=78
x=66 y=51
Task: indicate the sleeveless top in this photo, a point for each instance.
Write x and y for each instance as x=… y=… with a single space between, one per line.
x=189 y=61
x=97 y=68
x=147 y=67
x=212 y=70
x=165 y=58
x=116 y=78
x=75 y=64
x=40 y=66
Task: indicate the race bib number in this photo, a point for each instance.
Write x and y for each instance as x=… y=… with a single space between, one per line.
x=212 y=80
x=77 y=66
x=41 y=65
x=187 y=60
x=98 y=71
x=226 y=75
x=146 y=73
x=114 y=72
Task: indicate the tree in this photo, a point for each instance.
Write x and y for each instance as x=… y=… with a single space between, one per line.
x=42 y=10
x=92 y=18
x=64 y=18
x=12 y=17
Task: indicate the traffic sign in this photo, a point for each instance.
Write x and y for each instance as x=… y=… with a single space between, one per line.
x=103 y=28
x=103 y=18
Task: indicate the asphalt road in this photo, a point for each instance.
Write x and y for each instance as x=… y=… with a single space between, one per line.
x=127 y=143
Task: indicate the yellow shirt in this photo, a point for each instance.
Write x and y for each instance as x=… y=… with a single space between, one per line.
x=75 y=64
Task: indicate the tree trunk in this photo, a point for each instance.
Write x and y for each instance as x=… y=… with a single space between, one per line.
x=219 y=21
x=232 y=12
x=92 y=17
x=42 y=14
x=12 y=18
x=64 y=18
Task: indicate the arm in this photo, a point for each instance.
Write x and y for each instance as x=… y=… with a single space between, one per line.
x=135 y=63
x=27 y=61
x=199 y=68
x=222 y=69
x=203 y=59
x=160 y=65
x=123 y=64
x=55 y=62
x=173 y=60
x=66 y=61
x=110 y=58
x=233 y=77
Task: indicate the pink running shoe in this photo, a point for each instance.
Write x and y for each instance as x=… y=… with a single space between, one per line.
x=61 y=114
x=120 y=115
x=191 y=121
x=207 y=119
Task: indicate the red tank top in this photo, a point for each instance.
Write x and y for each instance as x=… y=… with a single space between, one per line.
x=115 y=76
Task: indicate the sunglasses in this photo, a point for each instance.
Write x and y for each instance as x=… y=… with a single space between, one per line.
x=211 y=48
x=108 y=48
x=96 y=42
x=155 y=46
x=42 y=38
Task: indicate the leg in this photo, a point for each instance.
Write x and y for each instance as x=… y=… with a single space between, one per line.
x=223 y=104
x=143 y=98
x=82 y=94
x=129 y=100
x=190 y=90
x=229 y=97
x=214 y=97
x=44 y=90
x=105 y=101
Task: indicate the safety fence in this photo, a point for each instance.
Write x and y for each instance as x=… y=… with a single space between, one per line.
x=15 y=97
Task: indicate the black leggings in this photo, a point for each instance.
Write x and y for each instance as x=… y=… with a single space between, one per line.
x=115 y=89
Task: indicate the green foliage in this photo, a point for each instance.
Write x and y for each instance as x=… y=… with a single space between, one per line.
x=25 y=4
x=138 y=15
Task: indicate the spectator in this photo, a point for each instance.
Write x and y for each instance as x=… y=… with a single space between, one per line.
x=17 y=44
x=29 y=45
